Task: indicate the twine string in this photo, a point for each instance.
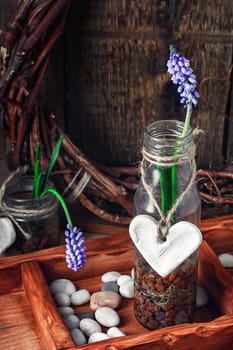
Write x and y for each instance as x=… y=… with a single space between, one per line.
x=12 y=213
x=5 y=210
x=165 y=221
x=21 y=213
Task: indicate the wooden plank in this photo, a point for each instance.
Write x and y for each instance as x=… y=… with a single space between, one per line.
x=17 y=325
x=176 y=337
x=15 y=307
x=122 y=53
x=218 y=233
x=48 y=320
x=113 y=253
x=213 y=18
x=12 y=284
x=20 y=337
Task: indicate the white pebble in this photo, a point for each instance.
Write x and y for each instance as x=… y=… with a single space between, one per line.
x=80 y=297
x=89 y=326
x=226 y=259
x=107 y=317
x=127 y=289
x=97 y=337
x=123 y=279
x=202 y=297
x=115 y=332
x=110 y=276
x=62 y=299
x=62 y=285
x=71 y=321
x=78 y=336
x=7 y=234
x=66 y=310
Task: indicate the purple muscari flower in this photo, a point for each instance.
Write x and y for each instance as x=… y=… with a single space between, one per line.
x=75 y=248
x=183 y=76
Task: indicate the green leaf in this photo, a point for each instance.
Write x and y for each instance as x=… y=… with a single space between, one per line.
x=38 y=182
x=53 y=159
x=37 y=171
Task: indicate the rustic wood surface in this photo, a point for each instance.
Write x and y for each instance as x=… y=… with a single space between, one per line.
x=29 y=319
x=120 y=83
x=114 y=57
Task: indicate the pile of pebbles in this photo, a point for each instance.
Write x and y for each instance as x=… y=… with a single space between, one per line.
x=88 y=327
x=102 y=320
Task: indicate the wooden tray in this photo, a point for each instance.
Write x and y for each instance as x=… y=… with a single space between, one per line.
x=29 y=318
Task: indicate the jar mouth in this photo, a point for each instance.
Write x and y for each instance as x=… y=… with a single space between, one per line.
x=167 y=131
x=165 y=136
x=19 y=193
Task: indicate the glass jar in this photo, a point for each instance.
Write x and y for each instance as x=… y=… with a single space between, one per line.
x=168 y=167
x=36 y=220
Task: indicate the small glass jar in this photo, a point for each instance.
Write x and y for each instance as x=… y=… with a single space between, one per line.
x=164 y=301
x=36 y=220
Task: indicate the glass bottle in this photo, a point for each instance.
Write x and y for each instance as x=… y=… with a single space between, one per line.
x=164 y=301
x=36 y=220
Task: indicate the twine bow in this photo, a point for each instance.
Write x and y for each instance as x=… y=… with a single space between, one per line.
x=165 y=221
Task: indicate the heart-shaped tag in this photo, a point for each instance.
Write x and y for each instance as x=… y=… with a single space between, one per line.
x=7 y=234
x=164 y=256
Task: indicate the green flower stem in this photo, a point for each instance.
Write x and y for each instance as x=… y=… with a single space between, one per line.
x=163 y=186
x=174 y=189
x=62 y=202
x=187 y=119
x=168 y=176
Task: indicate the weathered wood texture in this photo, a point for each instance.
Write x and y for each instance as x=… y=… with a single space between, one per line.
x=52 y=94
x=29 y=318
x=117 y=52
x=113 y=76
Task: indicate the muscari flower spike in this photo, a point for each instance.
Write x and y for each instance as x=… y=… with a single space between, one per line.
x=75 y=248
x=182 y=75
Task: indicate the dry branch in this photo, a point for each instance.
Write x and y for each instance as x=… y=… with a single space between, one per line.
x=29 y=39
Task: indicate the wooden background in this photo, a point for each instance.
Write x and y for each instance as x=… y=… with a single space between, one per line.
x=107 y=78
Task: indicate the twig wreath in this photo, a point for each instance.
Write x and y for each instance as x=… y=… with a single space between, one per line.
x=28 y=41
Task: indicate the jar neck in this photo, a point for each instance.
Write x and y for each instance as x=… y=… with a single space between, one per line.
x=163 y=143
x=18 y=198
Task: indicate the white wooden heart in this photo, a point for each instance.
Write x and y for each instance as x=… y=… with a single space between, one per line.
x=164 y=256
x=7 y=234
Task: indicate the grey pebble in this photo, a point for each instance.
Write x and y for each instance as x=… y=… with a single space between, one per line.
x=62 y=285
x=71 y=321
x=78 y=336
x=110 y=287
x=82 y=315
x=62 y=299
x=80 y=297
x=66 y=310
